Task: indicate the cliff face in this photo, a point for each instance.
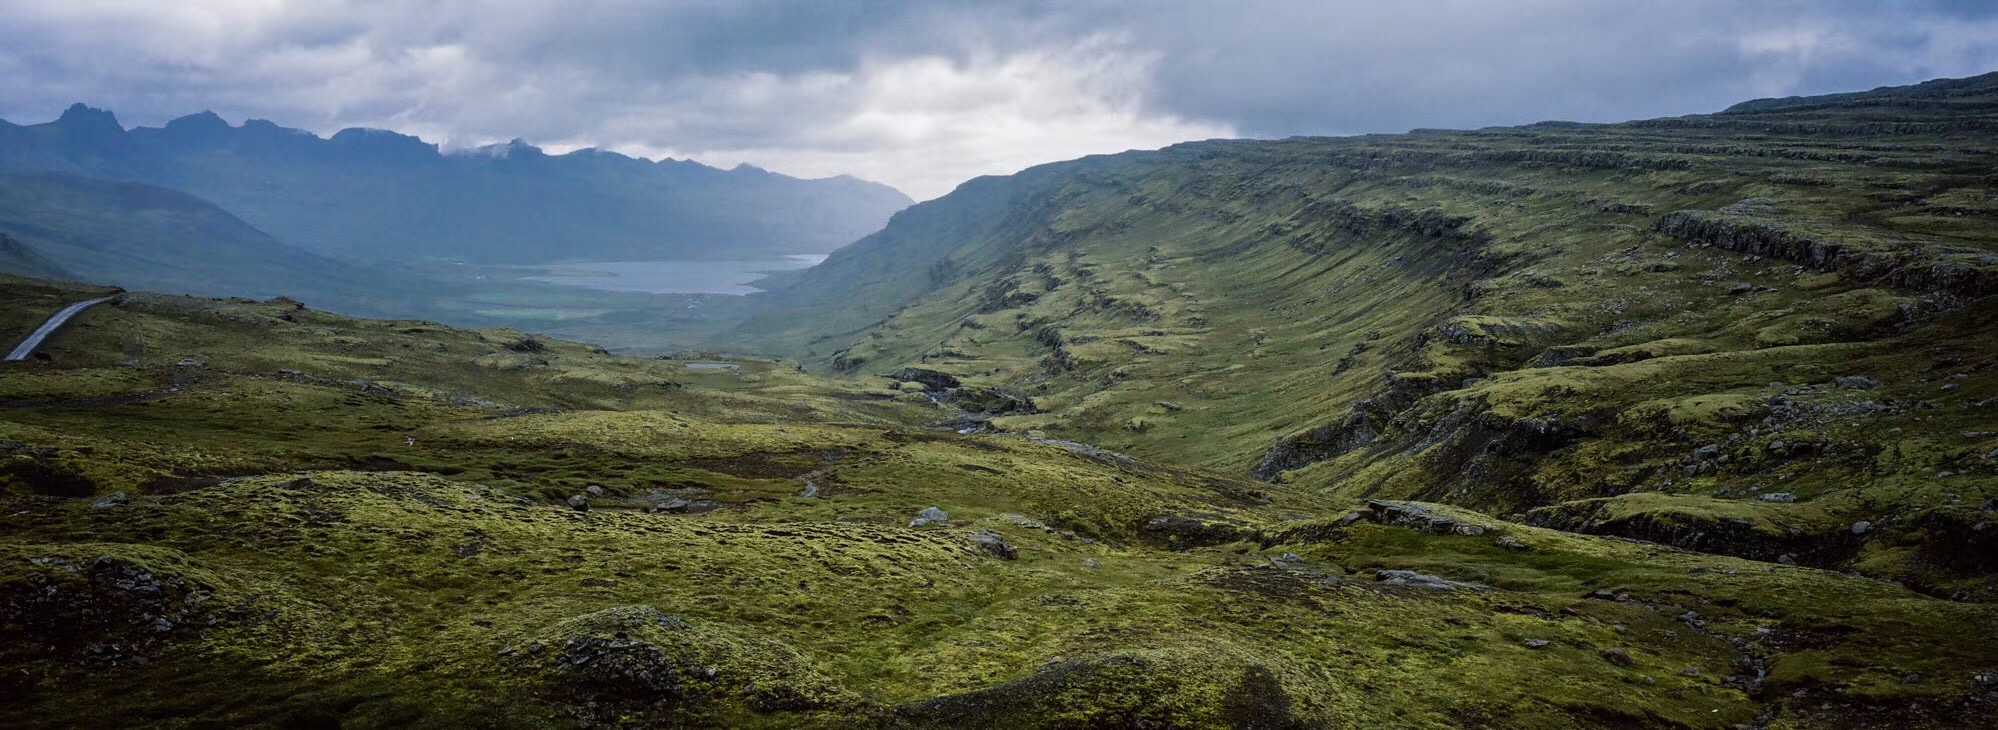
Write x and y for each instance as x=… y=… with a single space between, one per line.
x=1936 y=266
x=1508 y=319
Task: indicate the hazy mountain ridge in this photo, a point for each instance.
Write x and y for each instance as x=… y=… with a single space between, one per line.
x=17 y=257
x=1680 y=423
x=375 y=194
x=146 y=237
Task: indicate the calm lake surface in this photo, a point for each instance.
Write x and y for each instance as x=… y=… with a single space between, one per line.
x=672 y=277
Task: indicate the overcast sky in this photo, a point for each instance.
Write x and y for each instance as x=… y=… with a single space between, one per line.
x=923 y=94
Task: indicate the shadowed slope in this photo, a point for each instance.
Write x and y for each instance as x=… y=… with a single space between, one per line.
x=1784 y=308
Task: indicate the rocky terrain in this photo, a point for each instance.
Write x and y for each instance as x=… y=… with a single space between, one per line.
x=1685 y=423
x=1765 y=333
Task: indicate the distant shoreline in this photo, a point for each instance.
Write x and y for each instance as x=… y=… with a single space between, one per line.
x=671 y=277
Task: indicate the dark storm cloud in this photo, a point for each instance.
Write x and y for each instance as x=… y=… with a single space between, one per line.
x=1386 y=67
x=924 y=93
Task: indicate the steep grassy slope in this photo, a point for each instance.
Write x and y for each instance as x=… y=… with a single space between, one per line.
x=1765 y=332
x=251 y=513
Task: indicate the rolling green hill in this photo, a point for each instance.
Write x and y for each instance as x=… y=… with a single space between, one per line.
x=223 y=512
x=1765 y=332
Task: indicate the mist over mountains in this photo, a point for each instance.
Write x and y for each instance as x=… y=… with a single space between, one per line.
x=148 y=237
x=1683 y=422
x=375 y=195
x=1688 y=422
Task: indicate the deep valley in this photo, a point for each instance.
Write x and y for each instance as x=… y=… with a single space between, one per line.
x=1677 y=423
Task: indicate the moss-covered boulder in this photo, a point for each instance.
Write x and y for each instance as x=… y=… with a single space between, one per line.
x=630 y=662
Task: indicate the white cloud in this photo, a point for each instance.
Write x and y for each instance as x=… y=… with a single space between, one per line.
x=926 y=124
x=923 y=94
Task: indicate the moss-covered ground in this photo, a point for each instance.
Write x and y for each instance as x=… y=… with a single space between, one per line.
x=322 y=520
x=1680 y=423
x=1767 y=332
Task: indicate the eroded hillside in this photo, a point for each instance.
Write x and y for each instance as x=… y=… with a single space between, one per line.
x=253 y=513
x=1766 y=332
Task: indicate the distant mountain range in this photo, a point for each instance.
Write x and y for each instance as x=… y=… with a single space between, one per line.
x=1687 y=422
x=375 y=195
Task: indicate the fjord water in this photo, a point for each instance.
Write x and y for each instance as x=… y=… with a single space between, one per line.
x=673 y=277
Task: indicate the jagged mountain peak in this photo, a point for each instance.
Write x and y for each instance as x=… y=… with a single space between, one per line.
x=81 y=113
x=379 y=194
x=86 y=120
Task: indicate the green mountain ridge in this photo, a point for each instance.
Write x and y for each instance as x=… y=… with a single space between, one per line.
x=1637 y=329
x=1677 y=423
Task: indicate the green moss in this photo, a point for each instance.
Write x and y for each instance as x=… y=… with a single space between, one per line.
x=1490 y=322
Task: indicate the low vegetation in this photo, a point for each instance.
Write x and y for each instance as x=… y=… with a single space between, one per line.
x=1674 y=424
x=1780 y=313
